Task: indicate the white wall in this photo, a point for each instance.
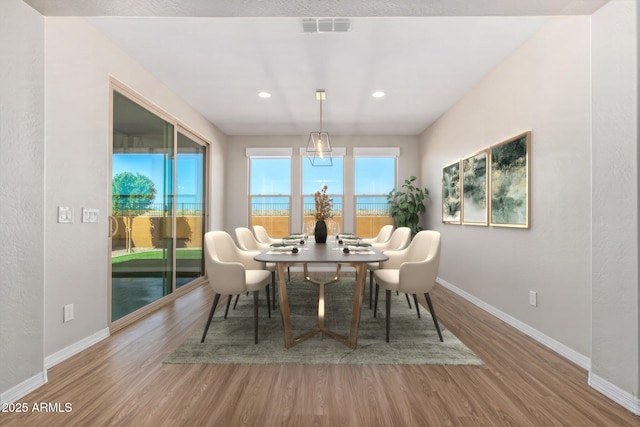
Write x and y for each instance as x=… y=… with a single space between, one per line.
x=237 y=202
x=79 y=62
x=21 y=197
x=616 y=293
x=544 y=86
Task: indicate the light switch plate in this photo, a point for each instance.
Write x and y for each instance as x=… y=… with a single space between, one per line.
x=533 y=298
x=65 y=215
x=90 y=215
x=67 y=313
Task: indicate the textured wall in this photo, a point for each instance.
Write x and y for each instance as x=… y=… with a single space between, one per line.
x=616 y=314
x=21 y=193
x=79 y=63
x=544 y=86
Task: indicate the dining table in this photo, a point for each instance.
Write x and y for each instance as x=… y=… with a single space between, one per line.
x=339 y=251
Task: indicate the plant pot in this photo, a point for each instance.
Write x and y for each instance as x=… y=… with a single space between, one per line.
x=320 y=232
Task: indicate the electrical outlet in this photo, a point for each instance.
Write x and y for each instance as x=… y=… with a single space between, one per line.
x=90 y=215
x=533 y=298
x=67 y=313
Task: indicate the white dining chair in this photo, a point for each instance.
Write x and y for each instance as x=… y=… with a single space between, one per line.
x=400 y=239
x=262 y=236
x=412 y=270
x=248 y=242
x=232 y=271
x=383 y=235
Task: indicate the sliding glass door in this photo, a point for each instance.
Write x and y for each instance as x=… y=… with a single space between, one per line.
x=158 y=187
x=190 y=208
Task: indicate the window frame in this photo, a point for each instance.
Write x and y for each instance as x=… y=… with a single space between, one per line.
x=275 y=153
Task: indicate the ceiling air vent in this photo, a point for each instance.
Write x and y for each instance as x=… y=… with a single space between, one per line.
x=326 y=25
x=341 y=25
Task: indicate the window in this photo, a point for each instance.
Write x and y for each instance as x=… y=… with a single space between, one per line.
x=375 y=177
x=270 y=193
x=313 y=178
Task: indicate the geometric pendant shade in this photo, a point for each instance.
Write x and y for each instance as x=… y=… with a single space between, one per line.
x=319 y=144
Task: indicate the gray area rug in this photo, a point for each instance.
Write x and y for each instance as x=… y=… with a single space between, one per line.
x=413 y=341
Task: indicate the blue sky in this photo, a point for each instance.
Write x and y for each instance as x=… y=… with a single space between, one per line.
x=273 y=176
x=268 y=176
x=189 y=186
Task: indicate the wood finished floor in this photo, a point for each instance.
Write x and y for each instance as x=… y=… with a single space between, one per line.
x=122 y=381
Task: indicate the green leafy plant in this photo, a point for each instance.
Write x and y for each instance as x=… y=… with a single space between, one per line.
x=407 y=204
x=132 y=195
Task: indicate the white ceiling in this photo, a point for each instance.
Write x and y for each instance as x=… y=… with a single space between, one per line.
x=218 y=61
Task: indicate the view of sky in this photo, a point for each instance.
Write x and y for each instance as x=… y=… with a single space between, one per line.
x=189 y=175
x=373 y=175
x=268 y=176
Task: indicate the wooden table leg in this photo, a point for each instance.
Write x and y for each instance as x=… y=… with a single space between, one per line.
x=352 y=341
x=284 y=304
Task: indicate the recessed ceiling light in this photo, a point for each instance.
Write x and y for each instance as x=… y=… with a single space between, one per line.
x=378 y=94
x=264 y=95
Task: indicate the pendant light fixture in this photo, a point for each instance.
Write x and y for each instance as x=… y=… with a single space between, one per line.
x=319 y=145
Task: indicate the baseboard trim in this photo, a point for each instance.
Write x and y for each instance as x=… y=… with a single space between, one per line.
x=24 y=388
x=566 y=352
x=611 y=391
x=615 y=393
x=75 y=348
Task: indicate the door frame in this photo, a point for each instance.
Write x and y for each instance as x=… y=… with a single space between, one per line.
x=117 y=86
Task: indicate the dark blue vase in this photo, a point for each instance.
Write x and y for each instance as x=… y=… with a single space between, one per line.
x=320 y=231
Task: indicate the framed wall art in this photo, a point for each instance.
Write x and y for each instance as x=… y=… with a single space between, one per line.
x=451 y=193
x=474 y=189
x=509 y=182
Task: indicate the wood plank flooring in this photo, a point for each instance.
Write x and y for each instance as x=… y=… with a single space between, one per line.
x=122 y=381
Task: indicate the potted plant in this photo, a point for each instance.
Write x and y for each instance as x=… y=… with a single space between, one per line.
x=406 y=205
x=323 y=211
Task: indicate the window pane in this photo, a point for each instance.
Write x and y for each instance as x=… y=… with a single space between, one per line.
x=141 y=206
x=313 y=178
x=190 y=184
x=270 y=199
x=375 y=177
x=270 y=176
